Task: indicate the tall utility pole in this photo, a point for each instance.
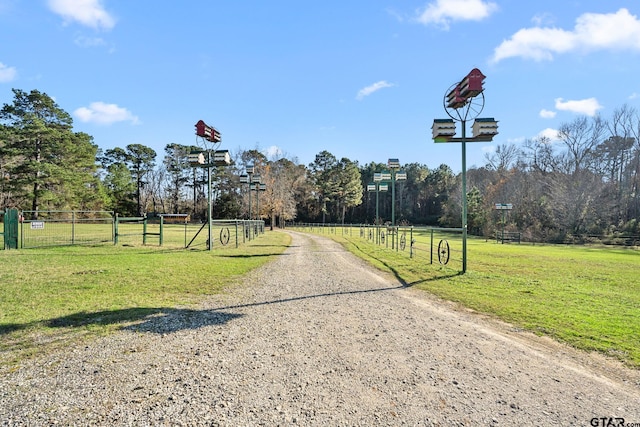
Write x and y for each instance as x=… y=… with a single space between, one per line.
x=396 y=175
x=210 y=139
x=465 y=101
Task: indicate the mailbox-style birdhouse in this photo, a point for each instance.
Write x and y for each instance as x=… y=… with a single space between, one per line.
x=201 y=129
x=443 y=129
x=471 y=85
x=454 y=99
x=207 y=132
x=485 y=129
x=196 y=158
x=221 y=158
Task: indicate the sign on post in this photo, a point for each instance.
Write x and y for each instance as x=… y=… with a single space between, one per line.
x=504 y=206
x=37 y=225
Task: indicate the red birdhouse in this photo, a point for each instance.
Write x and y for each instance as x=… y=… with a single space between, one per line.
x=471 y=85
x=454 y=99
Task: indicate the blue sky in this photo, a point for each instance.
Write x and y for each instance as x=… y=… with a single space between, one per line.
x=362 y=79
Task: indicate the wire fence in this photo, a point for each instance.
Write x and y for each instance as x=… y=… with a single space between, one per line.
x=61 y=228
x=431 y=244
x=231 y=233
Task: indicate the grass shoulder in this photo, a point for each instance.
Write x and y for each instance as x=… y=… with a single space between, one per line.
x=51 y=296
x=588 y=297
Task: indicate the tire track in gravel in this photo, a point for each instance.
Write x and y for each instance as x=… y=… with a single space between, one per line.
x=317 y=337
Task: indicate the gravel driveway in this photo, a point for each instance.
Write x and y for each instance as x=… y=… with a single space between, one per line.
x=319 y=338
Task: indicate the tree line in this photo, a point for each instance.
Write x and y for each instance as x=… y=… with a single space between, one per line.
x=585 y=183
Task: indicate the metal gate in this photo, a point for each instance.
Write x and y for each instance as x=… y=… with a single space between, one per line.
x=10 y=229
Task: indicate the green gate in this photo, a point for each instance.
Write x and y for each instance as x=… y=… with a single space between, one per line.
x=10 y=229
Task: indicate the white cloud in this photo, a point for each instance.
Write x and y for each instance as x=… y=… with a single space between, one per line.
x=272 y=152
x=634 y=95
x=442 y=12
x=546 y=114
x=535 y=43
x=488 y=148
x=516 y=140
x=593 y=31
x=373 y=88
x=589 y=106
x=104 y=114
x=542 y=18
x=550 y=134
x=83 y=41
x=7 y=73
x=89 y=13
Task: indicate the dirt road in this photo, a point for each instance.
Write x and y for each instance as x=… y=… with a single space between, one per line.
x=319 y=338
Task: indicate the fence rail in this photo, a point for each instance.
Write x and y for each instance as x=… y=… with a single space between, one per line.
x=508 y=237
x=60 y=228
x=36 y=229
x=232 y=232
x=156 y=230
x=432 y=244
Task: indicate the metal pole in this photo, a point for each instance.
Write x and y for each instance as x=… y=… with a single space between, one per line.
x=209 y=211
x=393 y=198
x=396 y=238
x=411 y=242
x=377 y=192
x=250 y=197
x=431 y=246
x=377 y=215
x=464 y=197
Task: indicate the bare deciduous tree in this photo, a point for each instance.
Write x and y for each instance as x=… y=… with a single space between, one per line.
x=581 y=137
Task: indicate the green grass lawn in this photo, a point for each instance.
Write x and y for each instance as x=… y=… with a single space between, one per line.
x=60 y=293
x=586 y=296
